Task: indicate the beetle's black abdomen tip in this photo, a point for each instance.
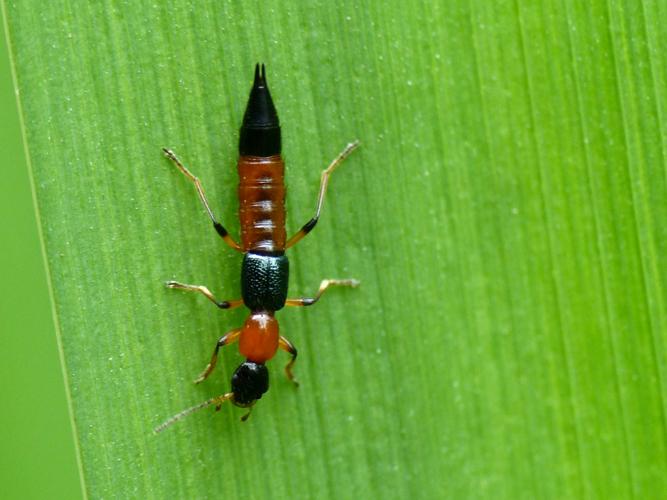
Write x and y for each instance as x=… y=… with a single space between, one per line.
x=260 y=112
x=260 y=131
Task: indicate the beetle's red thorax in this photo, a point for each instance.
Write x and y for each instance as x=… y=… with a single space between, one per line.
x=259 y=337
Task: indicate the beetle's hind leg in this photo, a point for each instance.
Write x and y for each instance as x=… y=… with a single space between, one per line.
x=200 y=191
x=324 y=182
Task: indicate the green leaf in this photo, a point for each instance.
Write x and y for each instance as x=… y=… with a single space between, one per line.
x=35 y=428
x=504 y=215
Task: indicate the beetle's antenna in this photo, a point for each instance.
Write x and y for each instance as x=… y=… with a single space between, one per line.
x=218 y=400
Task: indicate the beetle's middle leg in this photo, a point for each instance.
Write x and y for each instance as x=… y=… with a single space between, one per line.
x=309 y=301
x=222 y=304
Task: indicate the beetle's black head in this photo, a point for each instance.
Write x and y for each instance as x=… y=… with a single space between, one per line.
x=249 y=382
x=260 y=131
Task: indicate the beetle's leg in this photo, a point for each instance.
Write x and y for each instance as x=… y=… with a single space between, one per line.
x=227 y=338
x=308 y=226
x=225 y=304
x=245 y=417
x=287 y=346
x=309 y=301
x=200 y=190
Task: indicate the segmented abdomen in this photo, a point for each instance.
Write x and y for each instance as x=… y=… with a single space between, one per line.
x=262 y=203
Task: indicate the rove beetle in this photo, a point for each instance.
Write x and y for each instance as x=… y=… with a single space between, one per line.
x=265 y=268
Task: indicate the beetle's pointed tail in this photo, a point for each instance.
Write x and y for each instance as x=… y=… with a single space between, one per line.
x=260 y=131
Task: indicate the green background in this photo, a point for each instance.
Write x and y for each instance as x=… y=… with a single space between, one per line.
x=37 y=457
x=505 y=216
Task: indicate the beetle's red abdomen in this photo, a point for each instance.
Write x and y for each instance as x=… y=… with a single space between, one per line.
x=262 y=203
